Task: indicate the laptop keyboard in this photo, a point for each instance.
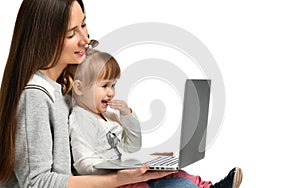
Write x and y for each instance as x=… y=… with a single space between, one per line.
x=163 y=161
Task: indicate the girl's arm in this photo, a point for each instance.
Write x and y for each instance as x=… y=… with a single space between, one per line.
x=131 y=136
x=83 y=134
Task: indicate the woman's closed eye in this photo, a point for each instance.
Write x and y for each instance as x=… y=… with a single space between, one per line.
x=71 y=34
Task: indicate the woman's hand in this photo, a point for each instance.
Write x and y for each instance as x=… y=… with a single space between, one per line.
x=141 y=174
x=163 y=153
x=121 y=106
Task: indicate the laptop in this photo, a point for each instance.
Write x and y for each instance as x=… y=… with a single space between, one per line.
x=192 y=136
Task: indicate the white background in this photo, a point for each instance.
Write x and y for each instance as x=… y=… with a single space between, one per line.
x=256 y=45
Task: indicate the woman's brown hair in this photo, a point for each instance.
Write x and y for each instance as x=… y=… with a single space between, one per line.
x=38 y=39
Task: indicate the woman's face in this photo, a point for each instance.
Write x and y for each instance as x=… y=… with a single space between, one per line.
x=77 y=37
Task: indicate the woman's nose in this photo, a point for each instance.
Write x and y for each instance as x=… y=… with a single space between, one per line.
x=84 y=39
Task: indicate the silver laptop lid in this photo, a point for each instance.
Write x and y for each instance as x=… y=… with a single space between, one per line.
x=194 y=121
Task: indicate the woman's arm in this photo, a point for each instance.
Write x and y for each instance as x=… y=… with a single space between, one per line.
x=42 y=149
x=120 y=178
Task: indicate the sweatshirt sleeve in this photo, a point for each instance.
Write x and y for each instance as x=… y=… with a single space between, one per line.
x=34 y=143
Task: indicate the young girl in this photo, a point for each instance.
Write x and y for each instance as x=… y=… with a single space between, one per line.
x=98 y=135
x=48 y=37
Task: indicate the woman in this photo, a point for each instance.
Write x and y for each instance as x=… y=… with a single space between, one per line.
x=49 y=37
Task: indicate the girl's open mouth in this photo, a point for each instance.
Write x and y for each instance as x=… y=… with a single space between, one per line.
x=104 y=102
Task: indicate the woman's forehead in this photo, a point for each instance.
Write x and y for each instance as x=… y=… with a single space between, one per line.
x=76 y=16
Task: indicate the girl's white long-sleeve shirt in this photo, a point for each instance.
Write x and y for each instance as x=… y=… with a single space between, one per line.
x=89 y=142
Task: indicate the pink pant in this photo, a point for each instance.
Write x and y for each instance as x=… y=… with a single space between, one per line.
x=195 y=179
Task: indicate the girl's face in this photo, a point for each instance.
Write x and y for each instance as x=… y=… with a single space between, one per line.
x=96 y=98
x=77 y=37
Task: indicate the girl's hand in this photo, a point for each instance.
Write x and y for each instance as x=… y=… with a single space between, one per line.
x=141 y=174
x=121 y=106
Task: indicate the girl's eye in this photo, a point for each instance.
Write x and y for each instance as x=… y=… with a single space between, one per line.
x=113 y=86
x=104 y=86
x=83 y=25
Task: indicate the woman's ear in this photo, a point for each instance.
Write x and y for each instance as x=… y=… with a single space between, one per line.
x=77 y=87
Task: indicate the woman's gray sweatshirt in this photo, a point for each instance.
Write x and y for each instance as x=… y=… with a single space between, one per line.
x=42 y=142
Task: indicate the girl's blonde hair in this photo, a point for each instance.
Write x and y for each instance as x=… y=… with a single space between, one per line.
x=97 y=66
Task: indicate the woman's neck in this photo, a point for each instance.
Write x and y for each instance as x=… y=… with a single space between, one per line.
x=54 y=72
